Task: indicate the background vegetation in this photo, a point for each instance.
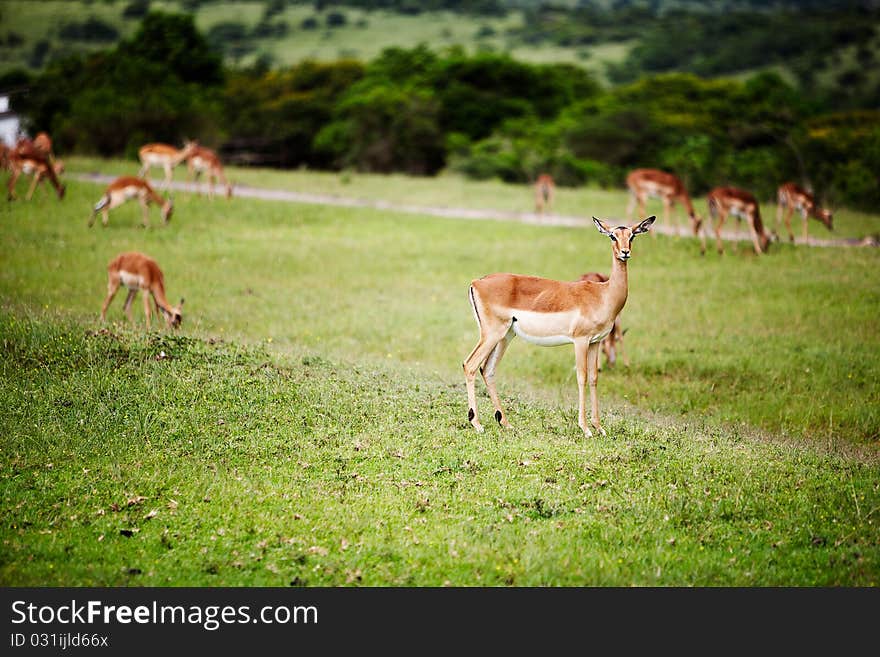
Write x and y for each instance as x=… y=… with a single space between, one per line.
x=781 y=112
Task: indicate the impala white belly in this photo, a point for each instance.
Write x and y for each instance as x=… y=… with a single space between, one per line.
x=654 y=191
x=131 y=281
x=550 y=329
x=120 y=196
x=544 y=329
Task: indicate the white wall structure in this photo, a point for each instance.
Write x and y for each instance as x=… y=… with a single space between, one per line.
x=9 y=122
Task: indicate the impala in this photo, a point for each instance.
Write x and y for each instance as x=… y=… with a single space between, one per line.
x=791 y=197
x=140 y=273
x=614 y=341
x=165 y=156
x=27 y=159
x=724 y=201
x=43 y=142
x=547 y=313
x=545 y=190
x=205 y=160
x=654 y=183
x=124 y=189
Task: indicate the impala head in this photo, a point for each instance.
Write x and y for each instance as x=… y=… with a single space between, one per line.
x=622 y=236
x=696 y=223
x=189 y=146
x=174 y=316
x=826 y=217
x=167 y=210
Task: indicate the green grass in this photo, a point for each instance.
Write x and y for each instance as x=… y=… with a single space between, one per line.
x=308 y=426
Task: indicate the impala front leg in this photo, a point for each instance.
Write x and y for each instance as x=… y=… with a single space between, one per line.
x=581 y=357
x=593 y=379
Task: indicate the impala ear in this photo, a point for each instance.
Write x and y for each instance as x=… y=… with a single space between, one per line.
x=644 y=225
x=601 y=226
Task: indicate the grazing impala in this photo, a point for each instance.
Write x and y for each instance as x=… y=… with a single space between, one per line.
x=165 y=156
x=791 y=197
x=614 y=341
x=549 y=313
x=724 y=201
x=124 y=189
x=205 y=160
x=139 y=272
x=654 y=183
x=545 y=190
x=27 y=159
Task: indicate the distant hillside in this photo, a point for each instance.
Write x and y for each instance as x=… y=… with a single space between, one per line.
x=618 y=40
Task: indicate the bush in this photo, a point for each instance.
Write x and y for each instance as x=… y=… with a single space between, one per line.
x=93 y=30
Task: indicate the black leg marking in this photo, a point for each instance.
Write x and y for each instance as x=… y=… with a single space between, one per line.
x=470 y=414
x=498 y=416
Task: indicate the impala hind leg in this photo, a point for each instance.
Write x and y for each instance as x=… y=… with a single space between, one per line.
x=472 y=364
x=488 y=372
x=127 y=307
x=146 y=298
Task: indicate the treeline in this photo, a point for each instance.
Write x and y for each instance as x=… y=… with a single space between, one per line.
x=419 y=111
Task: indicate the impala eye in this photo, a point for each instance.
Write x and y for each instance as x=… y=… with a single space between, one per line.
x=613 y=239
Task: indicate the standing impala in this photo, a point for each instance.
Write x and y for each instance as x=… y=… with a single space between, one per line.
x=547 y=313
x=205 y=160
x=791 y=197
x=724 y=201
x=545 y=190
x=124 y=189
x=654 y=183
x=27 y=159
x=165 y=156
x=140 y=273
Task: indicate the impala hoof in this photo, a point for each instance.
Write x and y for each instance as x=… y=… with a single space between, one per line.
x=478 y=427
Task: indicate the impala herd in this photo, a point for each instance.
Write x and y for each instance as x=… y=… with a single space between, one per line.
x=541 y=311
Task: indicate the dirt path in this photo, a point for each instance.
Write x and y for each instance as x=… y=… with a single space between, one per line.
x=457 y=213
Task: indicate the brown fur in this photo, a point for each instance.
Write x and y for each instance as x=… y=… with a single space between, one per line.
x=112 y=198
x=550 y=312
x=165 y=156
x=152 y=283
x=670 y=188
x=722 y=200
x=614 y=342
x=790 y=197
x=545 y=191
x=26 y=156
x=214 y=169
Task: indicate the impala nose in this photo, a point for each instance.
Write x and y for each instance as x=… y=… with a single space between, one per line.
x=624 y=254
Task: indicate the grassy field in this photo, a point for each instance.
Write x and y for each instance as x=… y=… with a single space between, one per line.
x=307 y=426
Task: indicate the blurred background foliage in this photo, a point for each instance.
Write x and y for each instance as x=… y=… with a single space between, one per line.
x=747 y=93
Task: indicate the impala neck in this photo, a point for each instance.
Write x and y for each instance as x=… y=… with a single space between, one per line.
x=618 y=283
